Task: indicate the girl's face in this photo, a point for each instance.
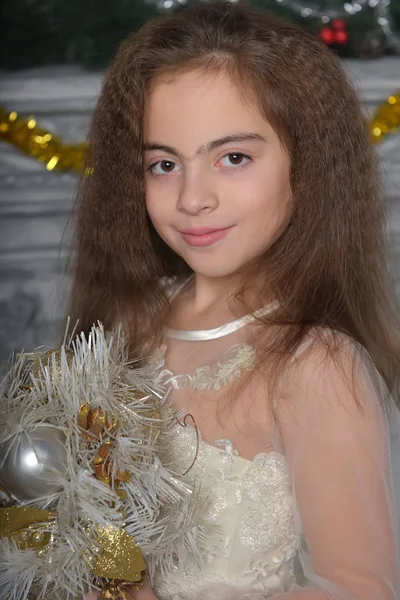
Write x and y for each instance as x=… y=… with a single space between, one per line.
x=217 y=175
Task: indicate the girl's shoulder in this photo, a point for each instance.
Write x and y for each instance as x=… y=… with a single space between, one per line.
x=322 y=344
x=330 y=369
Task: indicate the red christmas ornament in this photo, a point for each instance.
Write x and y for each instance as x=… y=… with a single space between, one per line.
x=339 y=24
x=327 y=35
x=341 y=37
x=335 y=34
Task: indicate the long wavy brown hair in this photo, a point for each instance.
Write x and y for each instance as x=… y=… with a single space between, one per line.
x=328 y=268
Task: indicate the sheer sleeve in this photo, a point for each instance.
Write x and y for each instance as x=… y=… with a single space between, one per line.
x=335 y=434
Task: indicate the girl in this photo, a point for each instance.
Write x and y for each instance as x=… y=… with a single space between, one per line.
x=233 y=221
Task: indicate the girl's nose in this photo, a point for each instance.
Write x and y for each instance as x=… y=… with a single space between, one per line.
x=197 y=195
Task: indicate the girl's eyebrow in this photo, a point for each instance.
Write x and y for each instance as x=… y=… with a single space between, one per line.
x=210 y=146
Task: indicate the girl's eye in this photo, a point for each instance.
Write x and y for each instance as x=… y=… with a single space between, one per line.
x=163 y=167
x=235 y=159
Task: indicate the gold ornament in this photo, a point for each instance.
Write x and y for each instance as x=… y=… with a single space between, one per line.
x=94 y=423
x=119 y=590
x=120 y=558
x=27 y=527
x=386 y=119
x=103 y=467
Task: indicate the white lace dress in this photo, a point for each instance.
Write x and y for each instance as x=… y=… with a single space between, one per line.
x=310 y=513
x=251 y=505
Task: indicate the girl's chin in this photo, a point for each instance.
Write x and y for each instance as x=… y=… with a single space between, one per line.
x=214 y=270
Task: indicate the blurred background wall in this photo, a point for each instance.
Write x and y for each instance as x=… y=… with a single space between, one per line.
x=52 y=56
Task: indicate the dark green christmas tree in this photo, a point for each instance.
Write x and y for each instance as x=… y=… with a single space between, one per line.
x=87 y=32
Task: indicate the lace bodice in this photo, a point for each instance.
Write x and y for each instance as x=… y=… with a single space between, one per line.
x=250 y=504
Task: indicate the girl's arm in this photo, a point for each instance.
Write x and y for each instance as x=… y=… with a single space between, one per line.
x=335 y=436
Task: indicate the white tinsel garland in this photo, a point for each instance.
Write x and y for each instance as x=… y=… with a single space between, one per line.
x=107 y=420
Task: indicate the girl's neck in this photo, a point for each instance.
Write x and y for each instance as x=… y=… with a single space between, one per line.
x=205 y=303
x=205 y=294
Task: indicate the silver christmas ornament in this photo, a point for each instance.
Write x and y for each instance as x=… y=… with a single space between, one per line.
x=31 y=461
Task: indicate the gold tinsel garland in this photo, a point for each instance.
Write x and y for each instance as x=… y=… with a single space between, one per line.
x=25 y=134
x=386 y=118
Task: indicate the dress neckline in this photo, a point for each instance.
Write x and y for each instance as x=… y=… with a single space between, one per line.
x=201 y=335
x=227 y=446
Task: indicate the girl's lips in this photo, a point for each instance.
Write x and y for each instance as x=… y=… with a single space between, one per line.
x=203 y=237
